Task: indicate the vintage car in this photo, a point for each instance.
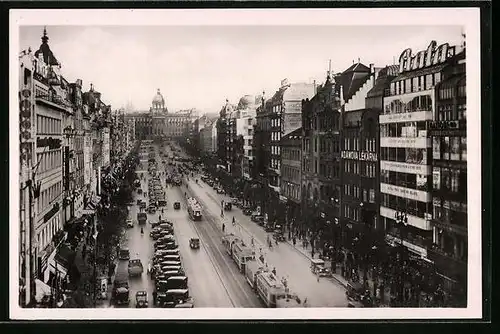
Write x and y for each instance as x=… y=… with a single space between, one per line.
x=247 y=211
x=194 y=243
x=124 y=254
x=171 y=298
x=130 y=223
x=177 y=206
x=141 y=299
x=228 y=206
x=257 y=219
x=318 y=268
x=135 y=267
x=152 y=209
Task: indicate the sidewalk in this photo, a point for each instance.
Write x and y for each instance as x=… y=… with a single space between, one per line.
x=336 y=275
x=86 y=270
x=307 y=253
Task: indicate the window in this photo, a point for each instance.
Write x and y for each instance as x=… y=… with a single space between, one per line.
x=464 y=148
x=445 y=148
x=365 y=195
x=372 y=195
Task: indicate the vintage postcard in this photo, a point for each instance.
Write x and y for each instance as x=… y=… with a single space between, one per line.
x=245 y=164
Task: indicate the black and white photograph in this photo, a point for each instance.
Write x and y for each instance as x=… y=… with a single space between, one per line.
x=324 y=164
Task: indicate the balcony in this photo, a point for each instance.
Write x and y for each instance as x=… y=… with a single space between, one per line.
x=54 y=101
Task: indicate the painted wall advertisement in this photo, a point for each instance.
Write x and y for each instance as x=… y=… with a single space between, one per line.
x=417 y=195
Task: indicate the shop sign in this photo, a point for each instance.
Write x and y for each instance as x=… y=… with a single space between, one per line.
x=406 y=142
x=432 y=56
x=364 y=156
x=403 y=167
x=417 y=195
x=406 y=117
x=445 y=125
x=52 y=143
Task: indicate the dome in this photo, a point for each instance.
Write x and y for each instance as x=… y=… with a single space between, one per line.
x=158 y=98
x=246 y=102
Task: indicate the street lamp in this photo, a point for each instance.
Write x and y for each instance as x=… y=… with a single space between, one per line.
x=402 y=220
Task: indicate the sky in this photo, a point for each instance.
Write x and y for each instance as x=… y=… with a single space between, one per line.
x=201 y=67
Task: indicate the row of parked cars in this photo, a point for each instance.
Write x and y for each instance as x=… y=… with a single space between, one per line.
x=171 y=282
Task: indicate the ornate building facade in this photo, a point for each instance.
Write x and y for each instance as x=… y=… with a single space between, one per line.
x=159 y=123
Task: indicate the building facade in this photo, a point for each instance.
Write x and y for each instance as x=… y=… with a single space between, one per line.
x=449 y=169
x=291 y=173
x=55 y=126
x=320 y=202
x=406 y=148
x=158 y=122
x=359 y=161
x=208 y=137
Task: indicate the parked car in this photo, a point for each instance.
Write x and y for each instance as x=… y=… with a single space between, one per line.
x=247 y=211
x=130 y=223
x=177 y=206
x=257 y=218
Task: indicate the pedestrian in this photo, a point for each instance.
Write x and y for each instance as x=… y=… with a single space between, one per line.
x=223 y=227
x=274 y=271
x=252 y=241
x=305 y=303
x=294 y=241
x=312 y=253
x=317 y=277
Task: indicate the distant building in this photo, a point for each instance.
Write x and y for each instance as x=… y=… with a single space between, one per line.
x=278 y=116
x=159 y=123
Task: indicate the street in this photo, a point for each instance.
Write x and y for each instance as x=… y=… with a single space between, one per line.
x=213 y=278
x=288 y=262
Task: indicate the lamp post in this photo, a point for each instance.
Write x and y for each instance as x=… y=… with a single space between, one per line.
x=402 y=220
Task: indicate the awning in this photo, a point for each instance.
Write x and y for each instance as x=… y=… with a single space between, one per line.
x=92 y=204
x=41 y=290
x=64 y=258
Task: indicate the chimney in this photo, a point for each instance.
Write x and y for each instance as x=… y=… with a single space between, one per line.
x=372 y=74
x=341 y=94
x=314 y=85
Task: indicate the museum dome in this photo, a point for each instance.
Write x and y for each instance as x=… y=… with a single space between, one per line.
x=158 y=99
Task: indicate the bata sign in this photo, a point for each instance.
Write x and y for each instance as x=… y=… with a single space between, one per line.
x=364 y=156
x=432 y=56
